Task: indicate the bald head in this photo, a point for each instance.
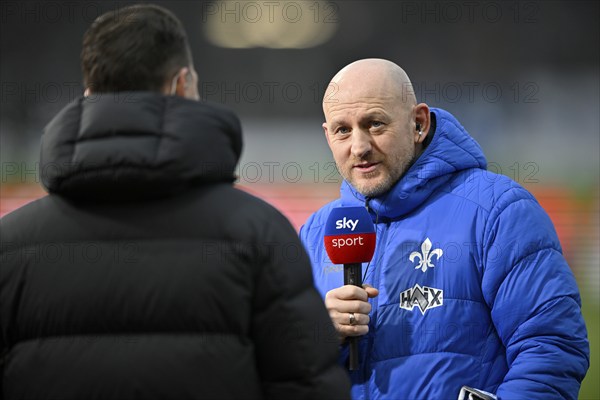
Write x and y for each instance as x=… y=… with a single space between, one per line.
x=371 y=78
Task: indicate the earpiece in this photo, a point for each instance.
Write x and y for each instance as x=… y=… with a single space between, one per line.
x=418 y=126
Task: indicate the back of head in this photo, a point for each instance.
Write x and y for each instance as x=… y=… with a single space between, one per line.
x=136 y=48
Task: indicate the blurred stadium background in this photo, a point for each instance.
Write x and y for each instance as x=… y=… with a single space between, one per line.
x=522 y=77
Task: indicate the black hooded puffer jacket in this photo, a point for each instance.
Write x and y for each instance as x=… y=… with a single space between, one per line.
x=144 y=274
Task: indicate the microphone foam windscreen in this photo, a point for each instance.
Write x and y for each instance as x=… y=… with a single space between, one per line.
x=349 y=235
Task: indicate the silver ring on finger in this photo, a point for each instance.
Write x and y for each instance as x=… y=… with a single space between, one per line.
x=351 y=319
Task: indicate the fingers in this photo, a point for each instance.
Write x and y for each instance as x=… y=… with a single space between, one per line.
x=346 y=300
x=348 y=292
x=343 y=325
x=371 y=291
x=351 y=292
x=348 y=306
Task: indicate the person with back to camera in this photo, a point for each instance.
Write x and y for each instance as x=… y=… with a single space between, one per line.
x=468 y=284
x=144 y=274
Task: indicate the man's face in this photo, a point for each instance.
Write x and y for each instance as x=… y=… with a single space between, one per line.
x=371 y=138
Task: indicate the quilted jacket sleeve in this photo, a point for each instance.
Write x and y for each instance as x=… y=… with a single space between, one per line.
x=534 y=301
x=296 y=344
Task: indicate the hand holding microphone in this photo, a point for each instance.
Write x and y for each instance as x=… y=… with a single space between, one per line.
x=350 y=300
x=350 y=240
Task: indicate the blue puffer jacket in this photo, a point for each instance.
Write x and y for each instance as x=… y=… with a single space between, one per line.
x=473 y=286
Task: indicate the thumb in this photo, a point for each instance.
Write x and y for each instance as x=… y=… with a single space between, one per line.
x=371 y=291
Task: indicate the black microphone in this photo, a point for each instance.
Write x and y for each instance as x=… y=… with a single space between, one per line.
x=350 y=240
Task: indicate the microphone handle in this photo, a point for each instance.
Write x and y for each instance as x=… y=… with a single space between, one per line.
x=353 y=276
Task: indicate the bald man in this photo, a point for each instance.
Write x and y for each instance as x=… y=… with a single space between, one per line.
x=468 y=285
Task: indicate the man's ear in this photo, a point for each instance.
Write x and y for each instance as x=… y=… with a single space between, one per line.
x=422 y=122
x=180 y=83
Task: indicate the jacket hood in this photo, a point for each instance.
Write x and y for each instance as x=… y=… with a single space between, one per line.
x=451 y=150
x=138 y=145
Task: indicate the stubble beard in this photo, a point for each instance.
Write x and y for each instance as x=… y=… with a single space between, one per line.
x=367 y=188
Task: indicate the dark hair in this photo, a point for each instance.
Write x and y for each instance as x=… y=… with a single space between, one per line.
x=133 y=48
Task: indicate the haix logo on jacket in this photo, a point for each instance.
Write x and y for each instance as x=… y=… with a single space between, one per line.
x=424 y=297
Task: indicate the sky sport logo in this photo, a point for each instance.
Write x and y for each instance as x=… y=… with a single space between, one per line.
x=347 y=241
x=349 y=235
x=346 y=223
x=423 y=297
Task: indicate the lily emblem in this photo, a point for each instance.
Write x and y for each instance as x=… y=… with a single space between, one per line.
x=425 y=257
